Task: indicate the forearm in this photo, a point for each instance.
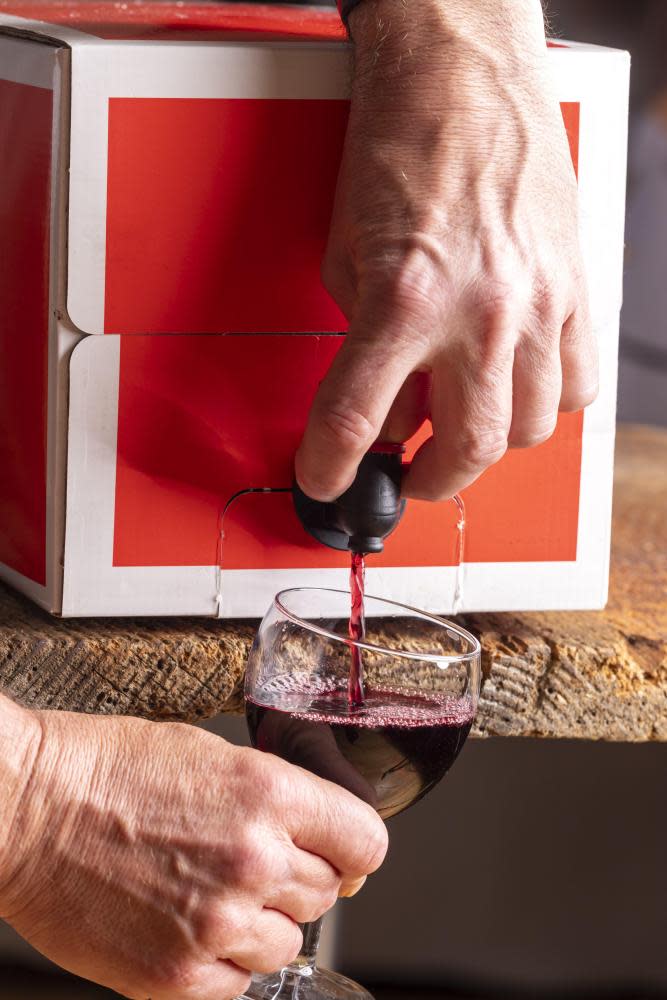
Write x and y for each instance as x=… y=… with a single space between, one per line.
x=377 y=18
x=408 y=44
x=20 y=738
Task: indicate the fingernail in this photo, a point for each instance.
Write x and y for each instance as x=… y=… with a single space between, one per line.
x=351 y=888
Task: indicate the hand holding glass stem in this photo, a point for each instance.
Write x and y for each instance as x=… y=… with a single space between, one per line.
x=392 y=750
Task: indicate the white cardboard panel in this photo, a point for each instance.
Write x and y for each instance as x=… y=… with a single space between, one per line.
x=593 y=75
x=139 y=69
x=92 y=584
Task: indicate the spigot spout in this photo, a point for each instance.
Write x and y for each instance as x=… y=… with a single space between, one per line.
x=366 y=514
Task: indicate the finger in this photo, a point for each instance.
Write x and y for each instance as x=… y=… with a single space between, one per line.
x=322 y=824
x=312 y=747
x=260 y=941
x=217 y=980
x=309 y=889
x=381 y=350
x=347 y=415
x=409 y=410
x=536 y=391
x=471 y=410
x=579 y=362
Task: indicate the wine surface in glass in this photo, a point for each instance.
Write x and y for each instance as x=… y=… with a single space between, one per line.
x=389 y=754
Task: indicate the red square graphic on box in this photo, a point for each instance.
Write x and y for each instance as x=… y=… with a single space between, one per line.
x=217 y=214
x=202 y=418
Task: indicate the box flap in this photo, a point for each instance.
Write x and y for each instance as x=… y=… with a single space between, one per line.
x=178 y=21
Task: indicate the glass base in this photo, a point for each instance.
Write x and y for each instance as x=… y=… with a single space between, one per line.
x=308 y=984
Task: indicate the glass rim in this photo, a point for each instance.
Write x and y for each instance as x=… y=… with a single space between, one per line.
x=441 y=658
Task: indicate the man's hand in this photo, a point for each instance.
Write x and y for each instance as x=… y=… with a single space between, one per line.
x=453 y=248
x=165 y=863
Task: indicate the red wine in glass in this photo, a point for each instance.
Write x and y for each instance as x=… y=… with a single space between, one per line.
x=390 y=754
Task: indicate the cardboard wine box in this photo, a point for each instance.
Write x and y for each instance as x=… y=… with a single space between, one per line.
x=167 y=175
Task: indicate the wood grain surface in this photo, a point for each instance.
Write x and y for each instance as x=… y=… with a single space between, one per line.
x=583 y=675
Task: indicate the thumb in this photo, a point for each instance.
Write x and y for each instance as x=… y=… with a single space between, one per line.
x=351 y=406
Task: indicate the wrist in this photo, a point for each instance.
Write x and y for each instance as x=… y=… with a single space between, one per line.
x=387 y=28
x=20 y=741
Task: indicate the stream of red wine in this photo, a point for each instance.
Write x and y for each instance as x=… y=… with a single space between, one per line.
x=356 y=630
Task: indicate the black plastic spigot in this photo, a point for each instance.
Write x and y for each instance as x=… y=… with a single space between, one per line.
x=362 y=517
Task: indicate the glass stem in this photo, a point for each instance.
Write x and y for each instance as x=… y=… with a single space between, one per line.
x=303 y=966
x=311 y=940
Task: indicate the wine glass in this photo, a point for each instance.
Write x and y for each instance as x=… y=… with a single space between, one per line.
x=421 y=678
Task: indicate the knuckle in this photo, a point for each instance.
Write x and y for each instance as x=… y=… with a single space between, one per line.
x=407 y=287
x=498 y=301
x=252 y=864
x=346 y=427
x=495 y=297
x=262 y=770
x=548 y=305
x=279 y=784
x=210 y=924
x=480 y=448
x=224 y=925
x=402 y=289
x=316 y=905
x=266 y=775
x=497 y=320
x=491 y=350
x=530 y=437
x=174 y=976
x=374 y=849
